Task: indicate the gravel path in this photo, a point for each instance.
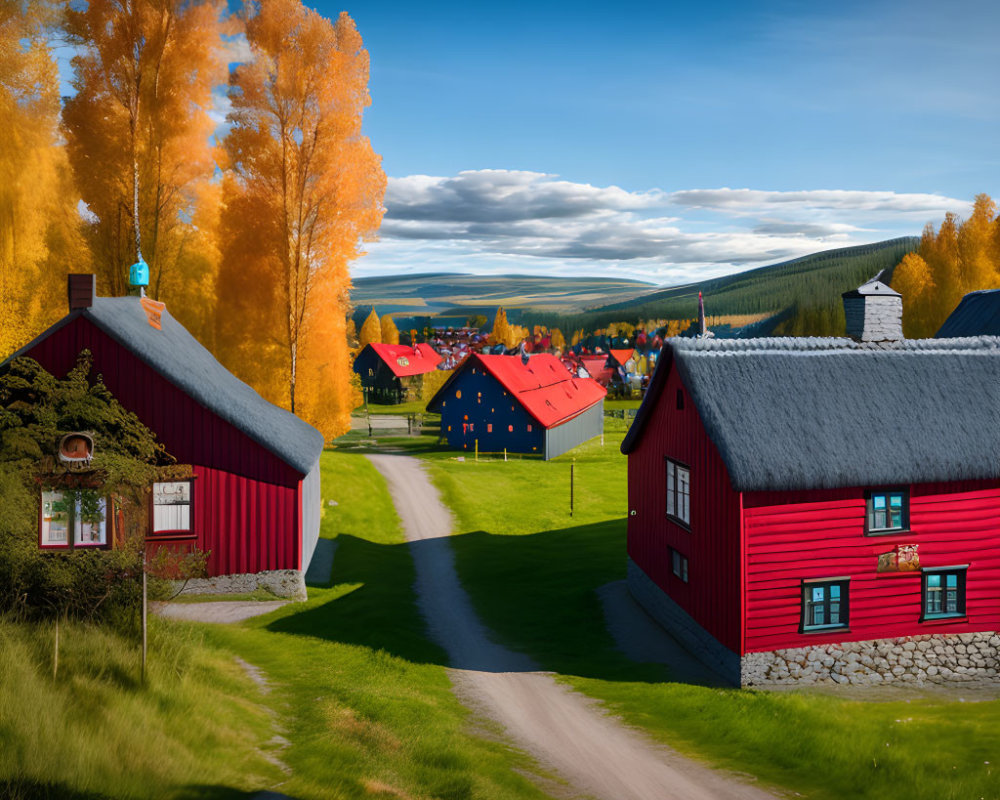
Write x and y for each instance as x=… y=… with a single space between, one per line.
x=223 y=611
x=596 y=754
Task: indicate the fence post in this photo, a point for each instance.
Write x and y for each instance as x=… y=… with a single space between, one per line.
x=572 y=468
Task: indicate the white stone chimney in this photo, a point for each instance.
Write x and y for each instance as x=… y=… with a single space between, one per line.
x=874 y=312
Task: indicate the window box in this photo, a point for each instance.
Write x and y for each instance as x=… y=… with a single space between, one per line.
x=678 y=492
x=942 y=593
x=825 y=604
x=887 y=511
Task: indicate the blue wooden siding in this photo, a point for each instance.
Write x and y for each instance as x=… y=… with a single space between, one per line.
x=476 y=406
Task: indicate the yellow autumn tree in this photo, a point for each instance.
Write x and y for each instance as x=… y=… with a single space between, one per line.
x=501 y=328
x=39 y=223
x=371 y=330
x=913 y=280
x=138 y=127
x=558 y=340
x=303 y=190
x=390 y=333
x=961 y=256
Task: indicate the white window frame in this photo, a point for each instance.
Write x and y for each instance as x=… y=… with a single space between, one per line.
x=678 y=492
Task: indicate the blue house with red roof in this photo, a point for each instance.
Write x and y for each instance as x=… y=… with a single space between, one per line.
x=524 y=405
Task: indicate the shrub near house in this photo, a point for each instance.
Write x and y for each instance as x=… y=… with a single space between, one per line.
x=823 y=508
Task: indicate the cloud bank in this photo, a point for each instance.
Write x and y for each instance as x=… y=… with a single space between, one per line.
x=509 y=220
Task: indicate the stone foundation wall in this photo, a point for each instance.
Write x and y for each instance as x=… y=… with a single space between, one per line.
x=281 y=582
x=914 y=660
x=681 y=625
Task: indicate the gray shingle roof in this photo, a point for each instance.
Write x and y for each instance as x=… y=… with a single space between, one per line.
x=801 y=413
x=181 y=359
x=977 y=315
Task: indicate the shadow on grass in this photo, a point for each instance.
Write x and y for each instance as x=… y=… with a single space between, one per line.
x=537 y=594
x=26 y=789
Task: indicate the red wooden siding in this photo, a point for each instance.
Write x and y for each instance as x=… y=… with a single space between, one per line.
x=235 y=520
x=191 y=433
x=795 y=535
x=246 y=499
x=712 y=594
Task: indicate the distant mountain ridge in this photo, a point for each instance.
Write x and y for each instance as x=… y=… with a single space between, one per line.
x=801 y=295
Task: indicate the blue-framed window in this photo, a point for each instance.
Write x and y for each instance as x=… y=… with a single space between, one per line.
x=825 y=604
x=943 y=592
x=888 y=511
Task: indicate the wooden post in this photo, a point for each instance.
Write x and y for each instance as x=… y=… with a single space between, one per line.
x=477 y=449
x=144 y=611
x=572 y=468
x=55 y=653
x=505 y=454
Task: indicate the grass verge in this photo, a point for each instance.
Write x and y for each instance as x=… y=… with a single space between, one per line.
x=361 y=692
x=532 y=571
x=195 y=729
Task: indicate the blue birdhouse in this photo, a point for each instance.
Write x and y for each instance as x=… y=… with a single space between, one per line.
x=138 y=274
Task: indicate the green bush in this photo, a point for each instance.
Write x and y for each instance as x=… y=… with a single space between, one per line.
x=36 y=411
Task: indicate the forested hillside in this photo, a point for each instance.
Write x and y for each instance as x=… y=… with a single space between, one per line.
x=798 y=297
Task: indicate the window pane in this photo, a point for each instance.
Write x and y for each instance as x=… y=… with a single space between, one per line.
x=933 y=581
x=896 y=519
x=670 y=488
x=951 y=601
x=818 y=617
x=834 y=613
x=818 y=593
x=951 y=580
x=896 y=501
x=684 y=569
x=835 y=591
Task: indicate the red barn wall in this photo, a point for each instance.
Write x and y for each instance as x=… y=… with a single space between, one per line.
x=795 y=535
x=245 y=497
x=712 y=595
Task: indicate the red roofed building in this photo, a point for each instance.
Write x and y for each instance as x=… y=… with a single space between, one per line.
x=387 y=370
x=533 y=406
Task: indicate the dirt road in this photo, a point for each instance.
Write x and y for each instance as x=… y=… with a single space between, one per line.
x=594 y=753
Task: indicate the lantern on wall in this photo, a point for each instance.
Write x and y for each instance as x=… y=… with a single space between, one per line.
x=76 y=449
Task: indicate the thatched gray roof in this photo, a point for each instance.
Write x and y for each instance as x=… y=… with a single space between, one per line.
x=181 y=359
x=977 y=315
x=801 y=413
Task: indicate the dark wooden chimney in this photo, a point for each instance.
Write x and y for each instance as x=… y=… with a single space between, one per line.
x=81 y=289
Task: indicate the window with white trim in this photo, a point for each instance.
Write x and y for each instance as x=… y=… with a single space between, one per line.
x=172 y=507
x=678 y=492
x=888 y=511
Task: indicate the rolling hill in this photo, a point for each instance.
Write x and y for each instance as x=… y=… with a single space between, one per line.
x=801 y=296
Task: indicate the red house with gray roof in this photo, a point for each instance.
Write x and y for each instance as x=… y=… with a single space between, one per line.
x=823 y=509
x=254 y=500
x=524 y=404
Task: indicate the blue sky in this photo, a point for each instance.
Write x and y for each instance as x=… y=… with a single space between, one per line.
x=670 y=141
x=599 y=138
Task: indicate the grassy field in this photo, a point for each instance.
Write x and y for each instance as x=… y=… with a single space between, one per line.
x=195 y=730
x=532 y=572
x=358 y=694
x=361 y=693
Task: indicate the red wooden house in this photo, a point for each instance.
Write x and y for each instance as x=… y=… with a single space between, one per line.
x=253 y=502
x=823 y=509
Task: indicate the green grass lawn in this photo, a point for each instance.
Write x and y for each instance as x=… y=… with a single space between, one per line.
x=362 y=693
x=532 y=571
x=195 y=730
x=410 y=407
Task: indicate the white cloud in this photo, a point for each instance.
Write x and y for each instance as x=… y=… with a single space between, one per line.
x=516 y=221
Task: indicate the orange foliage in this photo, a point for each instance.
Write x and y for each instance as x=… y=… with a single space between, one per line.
x=304 y=189
x=138 y=124
x=958 y=258
x=39 y=224
x=390 y=333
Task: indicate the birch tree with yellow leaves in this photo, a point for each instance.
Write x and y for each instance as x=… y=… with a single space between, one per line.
x=39 y=223
x=303 y=189
x=138 y=134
